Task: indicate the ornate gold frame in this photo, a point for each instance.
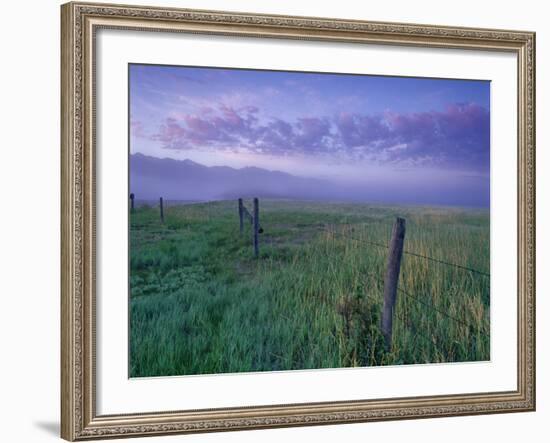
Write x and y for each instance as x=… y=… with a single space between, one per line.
x=79 y=420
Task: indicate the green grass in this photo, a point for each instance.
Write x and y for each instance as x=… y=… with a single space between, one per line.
x=200 y=303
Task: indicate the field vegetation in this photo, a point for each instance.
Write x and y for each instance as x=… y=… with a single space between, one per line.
x=200 y=303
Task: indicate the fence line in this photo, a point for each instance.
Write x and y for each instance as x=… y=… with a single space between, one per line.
x=407 y=323
x=391 y=281
x=256 y=228
x=411 y=253
x=248 y=215
x=254 y=221
x=391 y=278
x=408 y=294
x=431 y=306
x=428 y=305
x=436 y=260
x=415 y=329
x=392 y=271
x=349 y=237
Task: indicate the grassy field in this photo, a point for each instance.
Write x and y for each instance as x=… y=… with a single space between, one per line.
x=200 y=303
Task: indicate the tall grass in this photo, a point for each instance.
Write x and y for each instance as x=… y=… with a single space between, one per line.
x=200 y=303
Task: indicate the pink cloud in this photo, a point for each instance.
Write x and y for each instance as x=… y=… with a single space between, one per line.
x=457 y=136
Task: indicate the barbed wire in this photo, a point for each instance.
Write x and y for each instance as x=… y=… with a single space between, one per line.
x=368 y=242
x=406 y=323
x=414 y=329
x=381 y=280
x=411 y=253
x=436 y=260
x=409 y=325
x=431 y=306
x=427 y=304
x=247 y=213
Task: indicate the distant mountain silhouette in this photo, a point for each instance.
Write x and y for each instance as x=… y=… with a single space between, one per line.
x=151 y=177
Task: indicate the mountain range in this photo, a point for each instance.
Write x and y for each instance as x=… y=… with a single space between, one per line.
x=151 y=177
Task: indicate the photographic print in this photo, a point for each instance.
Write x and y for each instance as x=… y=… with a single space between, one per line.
x=272 y=221
x=285 y=220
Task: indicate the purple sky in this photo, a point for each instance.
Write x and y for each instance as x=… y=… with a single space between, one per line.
x=351 y=129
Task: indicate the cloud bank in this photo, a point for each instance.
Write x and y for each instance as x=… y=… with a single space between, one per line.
x=456 y=138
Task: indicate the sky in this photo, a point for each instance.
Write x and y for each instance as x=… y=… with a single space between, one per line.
x=356 y=131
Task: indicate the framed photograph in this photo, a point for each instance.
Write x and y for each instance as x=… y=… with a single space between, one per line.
x=282 y=221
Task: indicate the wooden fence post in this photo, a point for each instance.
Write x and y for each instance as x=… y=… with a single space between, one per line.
x=391 y=278
x=241 y=215
x=161 y=211
x=132 y=201
x=256 y=227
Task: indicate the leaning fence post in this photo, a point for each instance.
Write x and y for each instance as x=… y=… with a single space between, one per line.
x=161 y=211
x=391 y=278
x=256 y=227
x=241 y=215
x=132 y=201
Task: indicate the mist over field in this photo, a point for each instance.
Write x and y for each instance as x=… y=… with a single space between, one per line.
x=152 y=177
x=214 y=134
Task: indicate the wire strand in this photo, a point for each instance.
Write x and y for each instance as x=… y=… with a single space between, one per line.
x=408 y=324
x=341 y=234
x=431 y=306
x=436 y=260
x=415 y=331
x=411 y=253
